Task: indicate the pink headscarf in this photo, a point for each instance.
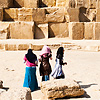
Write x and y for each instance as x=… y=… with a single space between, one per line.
x=45 y=50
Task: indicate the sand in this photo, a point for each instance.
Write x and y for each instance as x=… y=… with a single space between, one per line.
x=84 y=67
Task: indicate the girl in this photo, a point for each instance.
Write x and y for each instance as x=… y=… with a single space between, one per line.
x=57 y=73
x=45 y=67
x=30 y=79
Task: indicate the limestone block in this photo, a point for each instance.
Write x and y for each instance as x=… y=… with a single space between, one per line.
x=72 y=15
x=98 y=15
x=98 y=4
x=6 y=3
x=25 y=14
x=11 y=14
x=90 y=48
x=23 y=47
x=58 y=29
x=39 y=15
x=2 y=46
x=22 y=30
x=61 y=3
x=88 y=30
x=1 y=84
x=1 y=14
x=36 y=47
x=47 y=3
x=31 y=3
x=56 y=16
x=92 y=3
x=82 y=3
x=4 y=30
x=18 y=3
x=41 y=31
x=97 y=31
x=76 y=30
x=70 y=3
x=10 y=47
x=61 y=88
x=17 y=94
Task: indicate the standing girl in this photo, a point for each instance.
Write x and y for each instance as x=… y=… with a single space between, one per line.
x=45 y=67
x=30 y=79
x=57 y=73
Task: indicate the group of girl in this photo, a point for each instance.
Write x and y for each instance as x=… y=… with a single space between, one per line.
x=31 y=61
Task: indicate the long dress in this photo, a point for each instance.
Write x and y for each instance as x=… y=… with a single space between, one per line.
x=57 y=71
x=30 y=80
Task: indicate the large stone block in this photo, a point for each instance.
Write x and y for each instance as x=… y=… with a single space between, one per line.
x=10 y=47
x=25 y=14
x=1 y=14
x=11 y=14
x=70 y=4
x=61 y=3
x=37 y=47
x=18 y=3
x=98 y=15
x=56 y=16
x=88 y=30
x=61 y=88
x=76 y=30
x=39 y=15
x=31 y=3
x=97 y=31
x=72 y=15
x=4 y=30
x=98 y=4
x=22 y=30
x=58 y=30
x=23 y=46
x=6 y=3
x=47 y=3
x=41 y=31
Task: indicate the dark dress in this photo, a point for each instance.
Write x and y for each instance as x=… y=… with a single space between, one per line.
x=45 y=67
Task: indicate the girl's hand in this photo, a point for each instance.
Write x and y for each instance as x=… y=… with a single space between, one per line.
x=65 y=63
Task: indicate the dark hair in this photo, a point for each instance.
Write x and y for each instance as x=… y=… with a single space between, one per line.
x=60 y=52
x=31 y=57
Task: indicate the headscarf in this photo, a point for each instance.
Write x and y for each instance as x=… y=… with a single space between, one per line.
x=31 y=57
x=60 y=52
x=45 y=50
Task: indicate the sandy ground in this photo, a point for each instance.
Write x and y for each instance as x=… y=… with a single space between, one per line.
x=84 y=67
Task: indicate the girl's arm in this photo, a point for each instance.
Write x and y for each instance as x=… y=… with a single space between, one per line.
x=25 y=59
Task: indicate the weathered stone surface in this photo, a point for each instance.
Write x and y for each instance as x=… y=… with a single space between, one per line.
x=41 y=31
x=2 y=46
x=18 y=3
x=4 y=30
x=11 y=14
x=1 y=84
x=58 y=30
x=72 y=15
x=61 y=3
x=61 y=88
x=90 y=48
x=17 y=94
x=1 y=14
x=76 y=30
x=89 y=30
x=6 y=3
x=39 y=15
x=31 y=3
x=22 y=30
x=23 y=46
x=36 y=47
x=97 y=31
x=56 y=16
x=25 y=14
x=10 y=47
x=98 y=15
x=98 y=4
x=47 y=3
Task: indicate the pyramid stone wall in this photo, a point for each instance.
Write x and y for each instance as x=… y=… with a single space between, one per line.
x=37 y=19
